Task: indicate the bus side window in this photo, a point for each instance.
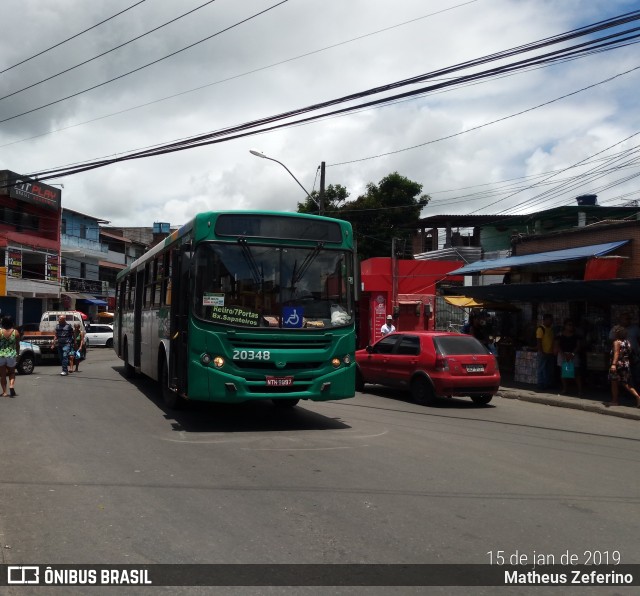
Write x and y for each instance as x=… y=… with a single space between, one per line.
x=166 y=282
x=157 y=281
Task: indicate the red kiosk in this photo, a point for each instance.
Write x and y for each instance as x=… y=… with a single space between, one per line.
x=406 y=289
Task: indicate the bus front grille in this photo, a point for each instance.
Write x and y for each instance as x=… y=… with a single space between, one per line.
x=273 y=390
x=280 y=343
x=271 y=366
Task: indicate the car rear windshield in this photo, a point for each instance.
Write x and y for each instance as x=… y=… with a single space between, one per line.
x=458 y=344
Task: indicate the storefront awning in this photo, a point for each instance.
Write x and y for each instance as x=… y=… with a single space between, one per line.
x=467 y=302
x=111 y=265
x=611 y=291
x=95 y=301
x=550 y=256
x=78 y=295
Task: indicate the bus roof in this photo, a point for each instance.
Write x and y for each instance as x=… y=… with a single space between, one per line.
x=207 y=216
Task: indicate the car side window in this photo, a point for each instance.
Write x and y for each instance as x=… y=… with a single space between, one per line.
x=385 y=345
x=409 y=346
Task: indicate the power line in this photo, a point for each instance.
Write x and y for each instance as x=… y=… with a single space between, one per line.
x=72 y=37
x=126 y=74
x=240 y=130
x=107 y=52
x=244 y=74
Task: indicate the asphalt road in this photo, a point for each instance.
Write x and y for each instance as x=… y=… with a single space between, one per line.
x=94 y=470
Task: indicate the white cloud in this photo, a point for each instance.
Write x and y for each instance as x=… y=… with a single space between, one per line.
x=176 y=186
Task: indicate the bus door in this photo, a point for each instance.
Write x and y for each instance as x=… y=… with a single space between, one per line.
x=120 y=301
x=178 y=352
x=137 y=319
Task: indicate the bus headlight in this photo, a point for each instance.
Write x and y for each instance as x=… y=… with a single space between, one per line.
x=218 y=361
x=335 y=362
x=205 y=359
x=347 y=360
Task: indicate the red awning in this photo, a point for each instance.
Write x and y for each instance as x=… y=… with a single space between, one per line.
x=602 y=268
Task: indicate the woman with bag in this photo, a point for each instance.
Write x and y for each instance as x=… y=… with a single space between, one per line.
x=79 y=346
x=567 y=347
x=620 y=369
x=9 y=350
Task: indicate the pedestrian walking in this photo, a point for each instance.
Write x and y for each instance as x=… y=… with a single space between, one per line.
x=9 y=350
x=79 y=346
x=619 y=371
x=64 y=340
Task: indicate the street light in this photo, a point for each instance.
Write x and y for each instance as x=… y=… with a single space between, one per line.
x=263 y=156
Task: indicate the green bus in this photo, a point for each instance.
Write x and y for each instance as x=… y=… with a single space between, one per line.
x=237 y=306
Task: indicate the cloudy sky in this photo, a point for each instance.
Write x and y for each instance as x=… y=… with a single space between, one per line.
x=465 y=144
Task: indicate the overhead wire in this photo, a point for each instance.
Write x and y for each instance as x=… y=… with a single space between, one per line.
x=122 y=45
x=126 y=74
x=237 y=76
x=70 y=38
x=210 y=138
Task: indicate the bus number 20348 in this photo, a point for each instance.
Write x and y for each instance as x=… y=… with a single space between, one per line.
x=251 y=355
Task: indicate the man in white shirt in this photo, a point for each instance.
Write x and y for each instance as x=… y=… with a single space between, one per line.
x=388 y=326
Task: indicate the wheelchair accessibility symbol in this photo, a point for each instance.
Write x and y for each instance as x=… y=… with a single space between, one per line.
x=292 y=316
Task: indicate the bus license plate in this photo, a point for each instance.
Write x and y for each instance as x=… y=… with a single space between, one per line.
x=475 y=368
x=279 y=381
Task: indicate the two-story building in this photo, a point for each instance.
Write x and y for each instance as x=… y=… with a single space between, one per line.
x=81 y=253
x=30 y=214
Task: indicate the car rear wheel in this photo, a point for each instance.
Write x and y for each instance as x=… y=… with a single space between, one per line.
x=359 y=381
x=481 y=400
x=422 y=392
x=26 y=364
x=109 y=343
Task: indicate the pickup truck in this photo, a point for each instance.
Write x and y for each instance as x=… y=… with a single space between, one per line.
x=43 y=338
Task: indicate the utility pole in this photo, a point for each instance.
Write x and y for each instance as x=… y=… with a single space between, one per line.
x=321 y=197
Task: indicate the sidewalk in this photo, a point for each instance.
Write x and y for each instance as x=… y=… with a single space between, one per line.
x=591 y=401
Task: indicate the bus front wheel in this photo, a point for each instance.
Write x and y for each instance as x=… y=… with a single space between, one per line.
x=170 y=398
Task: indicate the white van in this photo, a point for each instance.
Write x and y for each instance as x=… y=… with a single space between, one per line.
x=49 y=319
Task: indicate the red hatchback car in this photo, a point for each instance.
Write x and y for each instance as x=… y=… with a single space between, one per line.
x=430 y=364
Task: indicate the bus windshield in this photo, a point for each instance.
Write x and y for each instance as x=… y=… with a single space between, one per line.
x=250 y=285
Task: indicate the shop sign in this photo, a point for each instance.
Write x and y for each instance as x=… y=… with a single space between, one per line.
x=14 y=262
x=29 y=190
x=86 y=286
x=53 y=268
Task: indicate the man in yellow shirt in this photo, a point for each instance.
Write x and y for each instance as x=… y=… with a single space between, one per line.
x=545 y=337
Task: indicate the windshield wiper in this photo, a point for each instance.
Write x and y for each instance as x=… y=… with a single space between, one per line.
x=296 y=276
x=256 y=272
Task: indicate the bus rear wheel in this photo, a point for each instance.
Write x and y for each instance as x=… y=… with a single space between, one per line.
x=170 y=398
x=129 y=371
x=285 y=403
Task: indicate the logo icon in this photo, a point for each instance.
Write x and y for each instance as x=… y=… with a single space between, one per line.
x=23 y=574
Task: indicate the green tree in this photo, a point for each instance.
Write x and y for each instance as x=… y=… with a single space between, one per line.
x=334 y=198
x=391 y=209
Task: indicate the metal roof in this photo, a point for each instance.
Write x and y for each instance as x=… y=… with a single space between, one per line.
x=551 y=256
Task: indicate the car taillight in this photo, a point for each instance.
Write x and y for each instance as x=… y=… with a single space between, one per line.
x=441 y=364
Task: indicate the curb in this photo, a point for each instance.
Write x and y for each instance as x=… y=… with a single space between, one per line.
x=572 y=403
